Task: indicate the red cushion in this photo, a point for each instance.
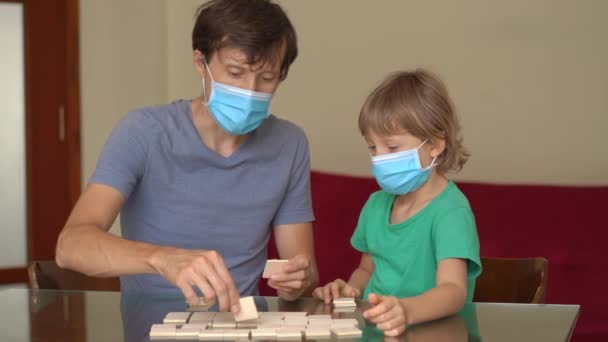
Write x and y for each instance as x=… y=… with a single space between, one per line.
x=563 y=224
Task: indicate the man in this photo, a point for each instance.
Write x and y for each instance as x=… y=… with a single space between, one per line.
x=200 y=182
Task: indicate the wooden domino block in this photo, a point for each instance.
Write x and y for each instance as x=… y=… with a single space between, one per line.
x=177 y=317
x=201 y=317
x=248 y=310
x=317 y=333
x=224 y=317
x=236 y=334
x=271 y=325
x=211 y=335
x=342 y=302
x=289 y=334
x=223 y=325
x=162 y=331
x=346 y=332
x=345 y=322
x=263 y=334
x=188 y=332
x=295 y=313
x=319 y=317
x=273 y=266
x=252 y=324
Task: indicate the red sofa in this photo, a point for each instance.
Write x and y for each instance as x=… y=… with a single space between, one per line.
x=564 y=224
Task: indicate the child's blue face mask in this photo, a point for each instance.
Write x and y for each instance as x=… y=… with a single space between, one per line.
x=401 y=173
x=238 y=111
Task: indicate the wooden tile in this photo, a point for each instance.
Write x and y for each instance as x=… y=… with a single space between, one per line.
x=289 y=334
x=201 y=317
x=211 y=335
x=263 y=334
x=186 y=332
x=248 y=310
x=346 y=332
x=294 y=313
x=236 y=334
x=162 y=331
x=177 y=317
x=223 y=325
x=315 y=317
x=317 y=333
x=273 y=266
x=251 y=324
x=345 y=322
x=277 y=325
x=224 y=317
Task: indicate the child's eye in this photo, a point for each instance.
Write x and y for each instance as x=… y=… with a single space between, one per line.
x=371 y=148
x=234 y=74
x=393 y=148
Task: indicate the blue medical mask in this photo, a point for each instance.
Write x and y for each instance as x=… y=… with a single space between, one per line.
x=401 y=173
x=238 y=111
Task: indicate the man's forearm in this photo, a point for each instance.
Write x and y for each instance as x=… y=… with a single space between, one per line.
x=94 y=252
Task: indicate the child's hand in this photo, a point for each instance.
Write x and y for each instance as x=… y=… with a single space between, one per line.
x=388 y=313
x=336 y=289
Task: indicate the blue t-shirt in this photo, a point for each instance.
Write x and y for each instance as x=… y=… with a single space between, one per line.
x=181 y=193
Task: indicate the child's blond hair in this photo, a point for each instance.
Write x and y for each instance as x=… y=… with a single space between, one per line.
x=418 y=102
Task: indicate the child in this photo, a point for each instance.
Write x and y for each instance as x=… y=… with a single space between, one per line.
x=417 y=236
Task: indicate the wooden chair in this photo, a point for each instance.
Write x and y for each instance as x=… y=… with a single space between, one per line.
x=512 y=280
x=47 y=275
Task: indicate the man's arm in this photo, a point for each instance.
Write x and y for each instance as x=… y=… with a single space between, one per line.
x=86 y=246
x=295 y=242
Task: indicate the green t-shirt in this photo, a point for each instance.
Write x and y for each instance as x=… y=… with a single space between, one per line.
x=406 y=254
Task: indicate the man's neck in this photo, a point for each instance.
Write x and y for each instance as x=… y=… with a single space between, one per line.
x=211 y=134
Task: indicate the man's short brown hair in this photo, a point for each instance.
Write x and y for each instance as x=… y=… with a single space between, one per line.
x=260 y=28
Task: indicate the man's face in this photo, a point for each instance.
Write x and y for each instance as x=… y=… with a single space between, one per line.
x=229 y=66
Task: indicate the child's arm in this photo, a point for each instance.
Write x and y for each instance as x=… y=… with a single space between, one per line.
x=362 y=273
x=392 y=315
x=355 y=286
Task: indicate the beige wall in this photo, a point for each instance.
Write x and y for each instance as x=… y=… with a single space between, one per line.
x=529 y=78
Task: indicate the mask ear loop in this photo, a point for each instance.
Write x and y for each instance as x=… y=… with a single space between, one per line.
x=205 y=100
x=434 y=159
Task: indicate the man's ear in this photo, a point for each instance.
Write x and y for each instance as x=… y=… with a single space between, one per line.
x=198 y=61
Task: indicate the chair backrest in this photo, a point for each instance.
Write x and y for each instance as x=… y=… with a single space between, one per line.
x=512 y=280
x=47 y=275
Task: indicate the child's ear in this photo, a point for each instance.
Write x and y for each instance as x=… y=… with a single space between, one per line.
x=438 y=147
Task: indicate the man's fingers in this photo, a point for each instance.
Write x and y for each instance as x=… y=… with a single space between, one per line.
x=299 y=262
x=206 y=288
x=285 y=277
x=232 y=293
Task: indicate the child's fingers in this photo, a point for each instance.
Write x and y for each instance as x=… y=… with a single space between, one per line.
x=395 y=332
x=391 y=324
x=378 y=310
x=326 y=294
x=335 y=290
x=373 y=298
x=318 y=293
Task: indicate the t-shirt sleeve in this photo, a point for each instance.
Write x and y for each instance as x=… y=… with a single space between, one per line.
x=123 y=158
x=455 y=236
x=359 y=238
x=296 y=206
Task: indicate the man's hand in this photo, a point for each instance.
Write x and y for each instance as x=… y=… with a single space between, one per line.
x=203 y=269
x=294 y=279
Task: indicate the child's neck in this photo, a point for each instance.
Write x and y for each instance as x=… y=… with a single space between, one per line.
x=408 y=205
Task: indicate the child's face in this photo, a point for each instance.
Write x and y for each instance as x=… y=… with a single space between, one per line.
x=400 y=141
